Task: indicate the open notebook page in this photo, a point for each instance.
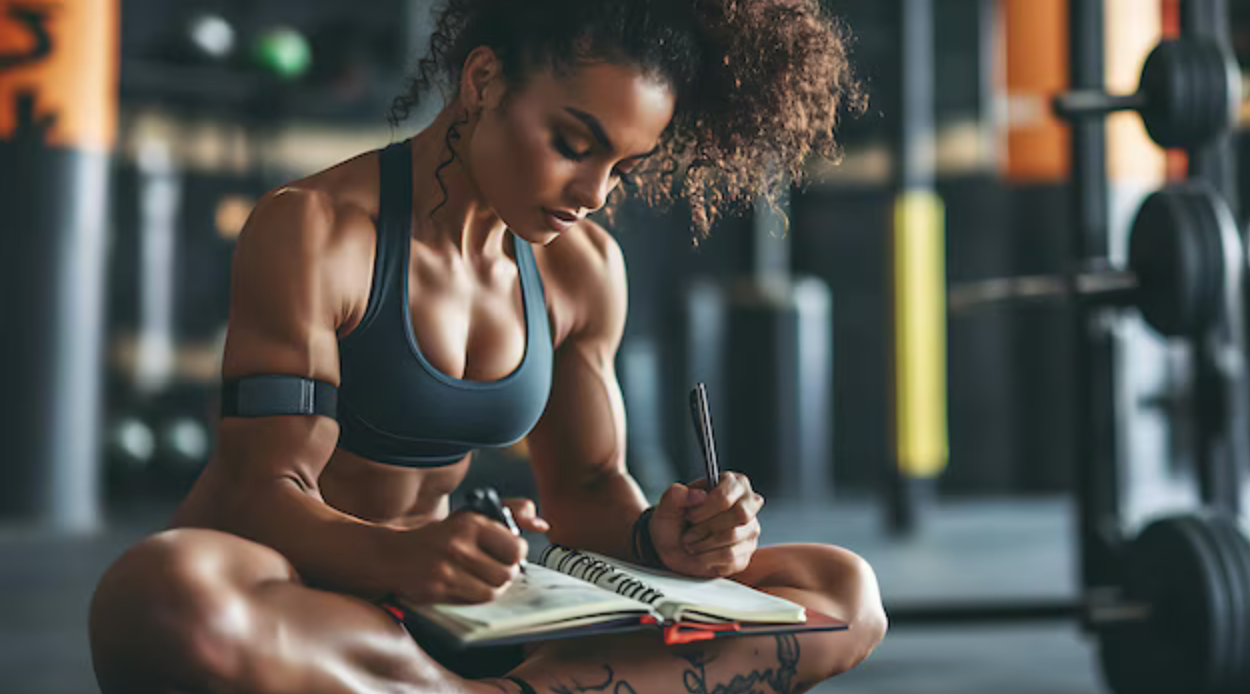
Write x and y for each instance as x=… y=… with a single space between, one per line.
x=686 y=597
x=538 y=596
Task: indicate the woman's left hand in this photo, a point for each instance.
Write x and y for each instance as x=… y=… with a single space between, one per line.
x=707 y=533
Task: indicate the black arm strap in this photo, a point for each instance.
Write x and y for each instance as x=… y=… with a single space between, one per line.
x=267 y=396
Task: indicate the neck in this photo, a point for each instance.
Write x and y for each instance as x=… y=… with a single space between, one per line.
x=464 y=223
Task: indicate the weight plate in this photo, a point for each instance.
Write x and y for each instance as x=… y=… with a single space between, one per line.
x=1237 y=548
x=1163 y=256
x=1224 y=648
x=1205 y=271
x=1164 y=86
x=1210 y=234
x=1176 y=251
x=1189 y=96
x=1201 y=113
x=1191 y=114
x=1174 y=567
x=1199 y=280
x=1221 y=93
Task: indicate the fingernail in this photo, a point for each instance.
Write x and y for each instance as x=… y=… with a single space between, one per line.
x=697 y=495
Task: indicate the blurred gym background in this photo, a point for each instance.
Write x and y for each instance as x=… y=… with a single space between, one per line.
x=979 y=458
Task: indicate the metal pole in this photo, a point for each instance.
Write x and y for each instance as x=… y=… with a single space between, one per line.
x=918 y=418
x=1091 y=344
x=917 y=146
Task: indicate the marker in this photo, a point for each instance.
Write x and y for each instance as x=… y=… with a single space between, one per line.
x=485 y=500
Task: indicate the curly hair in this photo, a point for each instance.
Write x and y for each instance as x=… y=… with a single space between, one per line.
x=759 y=84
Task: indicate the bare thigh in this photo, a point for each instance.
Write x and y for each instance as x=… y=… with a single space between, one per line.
x=194 y=610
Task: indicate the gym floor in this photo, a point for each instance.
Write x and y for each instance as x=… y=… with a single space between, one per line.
x=969 y=550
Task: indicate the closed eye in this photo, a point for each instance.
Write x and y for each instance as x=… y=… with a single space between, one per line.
x=566 y=150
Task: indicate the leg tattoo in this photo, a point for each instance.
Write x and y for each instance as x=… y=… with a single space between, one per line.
x=610 y=684
x=781 y=679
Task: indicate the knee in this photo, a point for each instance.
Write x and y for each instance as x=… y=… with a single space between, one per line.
x=168 y=612
x=853 y=582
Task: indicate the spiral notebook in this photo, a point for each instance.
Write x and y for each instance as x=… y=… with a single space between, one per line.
x=569 y=593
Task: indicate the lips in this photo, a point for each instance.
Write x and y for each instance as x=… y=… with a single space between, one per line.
x=560 y=220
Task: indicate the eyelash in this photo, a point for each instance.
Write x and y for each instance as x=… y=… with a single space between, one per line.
x=567 y=152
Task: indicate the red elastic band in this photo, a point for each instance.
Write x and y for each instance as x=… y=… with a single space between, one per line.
x=689 y=633
x=395 y=612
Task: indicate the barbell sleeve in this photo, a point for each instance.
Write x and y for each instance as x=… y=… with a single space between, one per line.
x=1104 y=287
x=1093 y=103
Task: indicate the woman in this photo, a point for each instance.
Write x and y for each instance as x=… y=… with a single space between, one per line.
x=452 y=290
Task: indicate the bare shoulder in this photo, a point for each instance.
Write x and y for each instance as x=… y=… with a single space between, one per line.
x=301 y=269
x=319 y=210
x=584 y=271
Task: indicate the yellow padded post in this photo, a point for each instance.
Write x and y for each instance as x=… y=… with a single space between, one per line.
x=919 y=255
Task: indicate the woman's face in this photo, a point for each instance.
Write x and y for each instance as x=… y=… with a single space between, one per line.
x=558 y=146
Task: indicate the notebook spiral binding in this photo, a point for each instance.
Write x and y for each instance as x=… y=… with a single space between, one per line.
x=587 y=568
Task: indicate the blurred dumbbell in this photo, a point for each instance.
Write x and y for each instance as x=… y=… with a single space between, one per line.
x=211 y=36
x=183 y=444
x=1190 y=93
x=282 y=51
x=1183 y=251
x=131 y=445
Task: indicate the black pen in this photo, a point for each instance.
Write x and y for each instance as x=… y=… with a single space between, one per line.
x=701 y=416
x=485 y=500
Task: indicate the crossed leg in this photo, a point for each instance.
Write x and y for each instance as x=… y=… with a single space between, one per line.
x=199 y=611
x=819 y=577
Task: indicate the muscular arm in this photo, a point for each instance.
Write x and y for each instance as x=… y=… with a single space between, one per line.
x=287 y=288
x=578 y=448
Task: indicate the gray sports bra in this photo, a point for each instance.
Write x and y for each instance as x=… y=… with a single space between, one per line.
x=393 y=405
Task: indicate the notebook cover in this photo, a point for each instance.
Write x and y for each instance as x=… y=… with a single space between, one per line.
x=684 y=632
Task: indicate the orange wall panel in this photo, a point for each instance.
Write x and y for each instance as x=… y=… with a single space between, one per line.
x=64 y=53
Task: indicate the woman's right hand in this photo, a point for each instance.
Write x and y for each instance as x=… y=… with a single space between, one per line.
x=465 y=558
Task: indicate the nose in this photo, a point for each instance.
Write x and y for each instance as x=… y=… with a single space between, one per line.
x=590 y=192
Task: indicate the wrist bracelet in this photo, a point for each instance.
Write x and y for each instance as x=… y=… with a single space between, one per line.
x=644 y=548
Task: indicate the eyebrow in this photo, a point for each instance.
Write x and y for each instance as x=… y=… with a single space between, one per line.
x=596 y=129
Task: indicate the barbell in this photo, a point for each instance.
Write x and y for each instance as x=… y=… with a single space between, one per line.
x=1189 y=93
x=1183 y=254
x=1184 y=620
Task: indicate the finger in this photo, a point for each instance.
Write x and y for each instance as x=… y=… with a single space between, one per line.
x=535 y=525
x=471 y=561
x=525 y=513
x=733 y=486
x=743 y=513
x=726 y=561
x=724 y=538
x=717 y=562
x=498 y=542
x=466 y=588
x=677 y=498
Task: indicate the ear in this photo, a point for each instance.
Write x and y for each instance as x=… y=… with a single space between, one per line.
x=481 y=81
